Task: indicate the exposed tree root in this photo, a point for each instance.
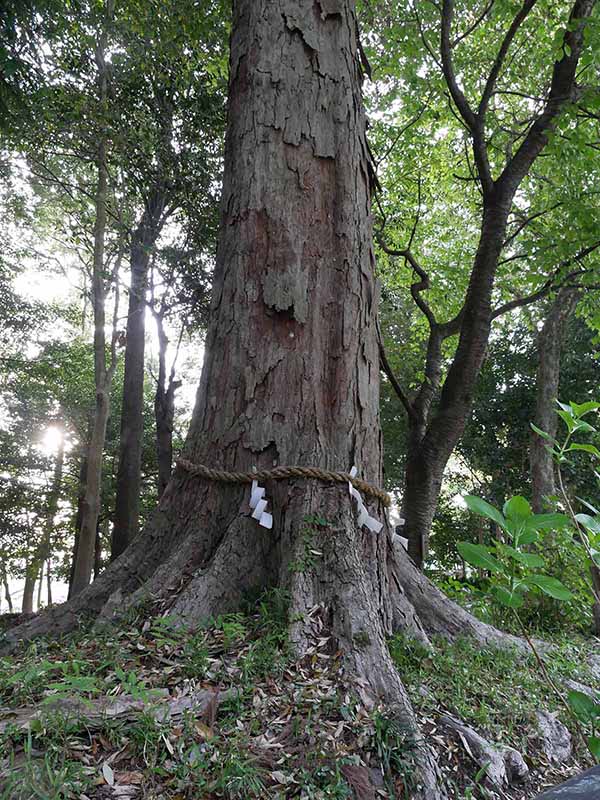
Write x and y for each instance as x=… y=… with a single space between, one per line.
x=95 y=713
x=349 y=586
x=504 y=766
x=439 y=615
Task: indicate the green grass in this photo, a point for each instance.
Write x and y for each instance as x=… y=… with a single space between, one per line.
x=322 y=729
x=497 y=691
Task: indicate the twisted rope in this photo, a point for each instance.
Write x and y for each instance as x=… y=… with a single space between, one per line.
x=281 y=473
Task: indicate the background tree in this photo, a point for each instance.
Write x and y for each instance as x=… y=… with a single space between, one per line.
x=171 y=71
x=510 y=103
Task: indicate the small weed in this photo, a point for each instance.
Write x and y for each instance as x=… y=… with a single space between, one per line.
x=51 y=777
x=196 y=656
x=395 y=746
x=307 y=551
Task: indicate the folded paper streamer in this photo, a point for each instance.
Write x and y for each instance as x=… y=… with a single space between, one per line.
x=259 y=505
x=363 y=515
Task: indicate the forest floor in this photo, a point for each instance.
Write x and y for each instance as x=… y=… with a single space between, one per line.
x=145 y=710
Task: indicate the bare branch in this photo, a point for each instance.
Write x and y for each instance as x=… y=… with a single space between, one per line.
x=459 y=98
x=552 y=283
x=385 y=366
x=401 y=133
x=417 y=287
x=428 y=47
x=525 y=221
x=473 y=121
x=475 y=24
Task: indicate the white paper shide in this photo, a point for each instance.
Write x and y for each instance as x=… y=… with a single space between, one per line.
x=363 y=515
x=258 y=504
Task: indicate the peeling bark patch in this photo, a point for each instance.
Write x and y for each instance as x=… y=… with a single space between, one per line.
x=329 y=8
x=287 y=291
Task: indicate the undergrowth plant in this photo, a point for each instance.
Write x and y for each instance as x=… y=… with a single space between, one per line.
x=515 y=569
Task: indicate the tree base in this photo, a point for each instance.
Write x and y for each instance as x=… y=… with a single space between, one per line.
x=346 y=584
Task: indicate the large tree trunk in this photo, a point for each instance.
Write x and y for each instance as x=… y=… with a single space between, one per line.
x=290 y=376
x=547 y=390
x=127 y=501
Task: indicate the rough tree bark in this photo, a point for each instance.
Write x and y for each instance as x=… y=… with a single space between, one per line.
x=103 y=371
x=127 y=501
x=437 y=428
x=290 y=376
x=549 y=348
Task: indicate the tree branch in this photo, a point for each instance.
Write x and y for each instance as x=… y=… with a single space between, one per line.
x=417 y=287
x=561 y=92
x=475 y=24
x=490 y=84
x=459 y=98
x=473 y=121
x=550 y=284
x=386 y=367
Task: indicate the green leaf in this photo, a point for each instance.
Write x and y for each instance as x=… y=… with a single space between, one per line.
x=542 y=433
x=581 y=409
x=591 y=524
x=584 y=426
x=509 y=599
x=545 y=522
x=528 y=537
x=484 y=509
x=593 y=743
x=568 y=419
x=550 y=586
x=517 y=509
x=479 y=556
x=584 y=707
x=528 y=559
x=588 y=448
x=565 y=407
x=589 y=505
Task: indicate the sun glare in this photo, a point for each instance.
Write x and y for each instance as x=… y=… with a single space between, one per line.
x=52 y=440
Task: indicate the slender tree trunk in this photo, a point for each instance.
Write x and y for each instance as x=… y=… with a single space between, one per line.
x=40 y=585
x=51 y=511
x=83 y=565
x=164 y=410
x=429 y=453
x=98 y=547
x=80 y=501
x=127 y=502
x=28 y=590
x=6 y=588
x=421 y=492
x=473 y=323
x=49 y=582
x=547 y=391
x=35 y=568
